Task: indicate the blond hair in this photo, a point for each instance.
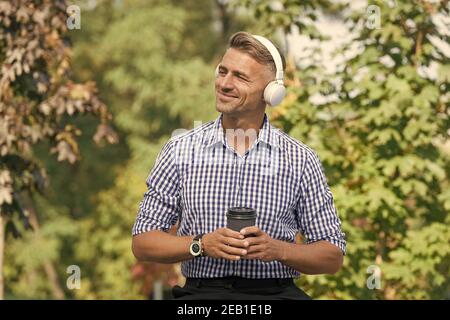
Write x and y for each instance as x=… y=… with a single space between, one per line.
x=245 y=42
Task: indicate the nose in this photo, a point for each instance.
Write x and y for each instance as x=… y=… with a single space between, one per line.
x=225 y=82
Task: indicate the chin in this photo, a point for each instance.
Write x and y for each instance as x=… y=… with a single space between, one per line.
x=224 y=108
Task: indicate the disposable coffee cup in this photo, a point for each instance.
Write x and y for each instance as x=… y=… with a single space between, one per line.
x=240 y=217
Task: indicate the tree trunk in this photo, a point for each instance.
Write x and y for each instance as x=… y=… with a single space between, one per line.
x=50 y=271
x=58 y=292
x=224 y=19
x=2 y=247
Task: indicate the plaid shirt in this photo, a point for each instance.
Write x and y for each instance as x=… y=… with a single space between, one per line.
x=197 y=176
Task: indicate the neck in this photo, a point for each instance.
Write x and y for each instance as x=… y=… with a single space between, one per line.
x=244 y=122
x=242 y=131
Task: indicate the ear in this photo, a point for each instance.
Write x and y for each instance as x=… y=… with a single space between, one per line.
x=217 y=71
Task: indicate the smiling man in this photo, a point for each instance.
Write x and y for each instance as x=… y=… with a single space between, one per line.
x=240 y=160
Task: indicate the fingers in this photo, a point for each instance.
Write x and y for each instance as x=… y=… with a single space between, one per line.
x=225 y=243
x=254 y=230
x=233 y=238
x=256 y=249
x=256 y=252
x=235 y=243
x=253 y=241
x=230 y=233
x=233 y=251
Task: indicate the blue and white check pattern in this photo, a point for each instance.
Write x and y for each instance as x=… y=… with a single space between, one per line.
x=197 y=176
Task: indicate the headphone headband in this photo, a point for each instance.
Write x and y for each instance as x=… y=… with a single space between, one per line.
x=275 y=55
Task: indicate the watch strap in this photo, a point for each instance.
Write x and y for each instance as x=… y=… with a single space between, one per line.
x=198 y=237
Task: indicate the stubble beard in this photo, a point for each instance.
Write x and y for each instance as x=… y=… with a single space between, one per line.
x=225 y=107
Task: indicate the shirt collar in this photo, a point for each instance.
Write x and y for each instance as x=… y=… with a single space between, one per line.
x=266 y=134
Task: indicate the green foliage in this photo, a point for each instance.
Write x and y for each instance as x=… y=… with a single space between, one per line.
x=39 y=103
x=27 y=257
x=38 y=100
x=104 y=246
x=382 y=142
x=152 y=90
x=154 y=82
x=286 y=15
x=382 y=136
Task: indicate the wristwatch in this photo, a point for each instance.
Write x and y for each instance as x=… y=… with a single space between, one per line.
x=196 y=248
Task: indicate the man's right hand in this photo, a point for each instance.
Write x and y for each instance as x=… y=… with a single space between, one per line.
x=224 y=243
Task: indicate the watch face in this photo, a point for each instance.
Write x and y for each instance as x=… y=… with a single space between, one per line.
x=195 y=248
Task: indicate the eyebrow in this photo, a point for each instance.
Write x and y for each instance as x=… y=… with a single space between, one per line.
x=235 y=72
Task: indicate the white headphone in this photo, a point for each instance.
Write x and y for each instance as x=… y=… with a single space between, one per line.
x=275 y=90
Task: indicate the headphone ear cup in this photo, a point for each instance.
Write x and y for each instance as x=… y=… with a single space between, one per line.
x=274 y=93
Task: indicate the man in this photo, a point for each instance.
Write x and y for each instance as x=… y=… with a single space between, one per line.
x=200 y=174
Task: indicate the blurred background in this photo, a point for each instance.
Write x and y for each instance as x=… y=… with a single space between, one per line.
x=91 y=90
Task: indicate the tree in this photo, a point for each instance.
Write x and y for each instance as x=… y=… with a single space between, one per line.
x=89 y=207
x=382 y=135
x=154 y=82
x=38 y=105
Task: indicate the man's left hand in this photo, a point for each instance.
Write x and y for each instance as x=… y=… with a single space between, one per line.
x=261 y=245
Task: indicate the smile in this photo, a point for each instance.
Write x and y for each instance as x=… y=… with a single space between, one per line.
x=224 y=96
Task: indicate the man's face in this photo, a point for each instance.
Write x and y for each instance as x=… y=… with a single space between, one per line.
x=240 y=83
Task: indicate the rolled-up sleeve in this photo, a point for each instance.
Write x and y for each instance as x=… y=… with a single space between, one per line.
x=159 y=208
x=317 y=216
